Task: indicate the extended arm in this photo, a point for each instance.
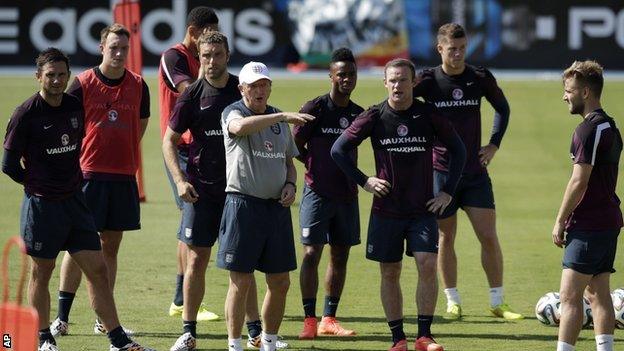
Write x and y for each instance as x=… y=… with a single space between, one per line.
x=254 y=124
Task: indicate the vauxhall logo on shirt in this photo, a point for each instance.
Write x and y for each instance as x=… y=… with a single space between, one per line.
x=268 y=146
x=343 y=122
x=62 y=149
x=457 y=101
x=397 y=144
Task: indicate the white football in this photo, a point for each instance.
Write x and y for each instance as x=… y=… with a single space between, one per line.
x=588 y=319
x=547 y=309
x=618 y=307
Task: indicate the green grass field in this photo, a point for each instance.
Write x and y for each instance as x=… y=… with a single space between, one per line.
x=529 y=175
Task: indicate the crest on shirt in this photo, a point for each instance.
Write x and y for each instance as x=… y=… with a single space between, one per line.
x=344 y=123
x=74 y=122
x=112 y=115
x=457 y=94
x=275 y=128
x=402 y=130
x=268 y=145
x=65 y=139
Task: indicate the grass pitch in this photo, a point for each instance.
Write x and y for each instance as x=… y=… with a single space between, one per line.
x=529 y=174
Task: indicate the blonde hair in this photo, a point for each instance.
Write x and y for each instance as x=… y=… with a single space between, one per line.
x=587 y=73
x=114 y=28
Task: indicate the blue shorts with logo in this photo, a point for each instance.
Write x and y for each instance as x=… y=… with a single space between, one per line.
x=201 y=221
x=50 y=226
x=256 y=234
x=114 y=204
x=182 y=161
x=473 y=190
x=386 y=237
x=323 y=220
x=591 y=252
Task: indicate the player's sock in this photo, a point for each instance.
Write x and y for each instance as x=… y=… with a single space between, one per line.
x=424 y=325
x=65 y=301
x=118 y=337
x=46 y=335
x=309 y=307
x=331 y=305
x=396 y=327
x=190 y=327
x=496 y=296
x=564 y=346
x=254 y=328
x=604 y=342
x=452 y=296
x=268 y=342
x=235 y=344
x=178 y=298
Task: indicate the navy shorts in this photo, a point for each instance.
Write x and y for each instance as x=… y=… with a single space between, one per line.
x=51 y=226
x=114 y=204
x=386 y=237
x=182 y=161
x=323 y=220
x=473 y=190
x=590 y=252
x=201 y=221
x=256 y=234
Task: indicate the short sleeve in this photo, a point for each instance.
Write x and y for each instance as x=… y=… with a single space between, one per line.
x=181 y=116
x=145 y=100
x=584 y=143
x=16 y=136
x=175 y=69
x=291 y=149
x=304 y=132
x=229 y=114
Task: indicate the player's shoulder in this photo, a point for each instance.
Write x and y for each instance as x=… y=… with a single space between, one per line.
x=172 y=54
x=375 y=111
x=355 y=108
x=70 y=102
x=316 y=105
x=427 y=73
x=479 y=72
x=235 y=106
x=27 y=108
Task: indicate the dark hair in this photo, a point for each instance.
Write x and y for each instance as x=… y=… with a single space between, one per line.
x=201 y=16
x=50 y=55
x=213 y=37
x=450 y=31
x=588 y=73
x=401 y=62
x=114 y=28
x=342 y=55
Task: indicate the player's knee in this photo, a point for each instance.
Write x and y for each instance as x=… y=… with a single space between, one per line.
x=279 y=284
x=427 y=264
x=312 y=254
x=488 y=238
x=339 y=258
x=570 y=297
x=390 y=271
x=42 y=270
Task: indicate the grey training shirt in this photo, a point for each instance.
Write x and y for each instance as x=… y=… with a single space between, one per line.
x=256 y=163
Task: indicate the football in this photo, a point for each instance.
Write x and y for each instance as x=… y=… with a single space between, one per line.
x=547 y=309
x=618 y=307
x=588 y=320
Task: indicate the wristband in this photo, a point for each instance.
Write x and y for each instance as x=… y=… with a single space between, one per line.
x=291 y=183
